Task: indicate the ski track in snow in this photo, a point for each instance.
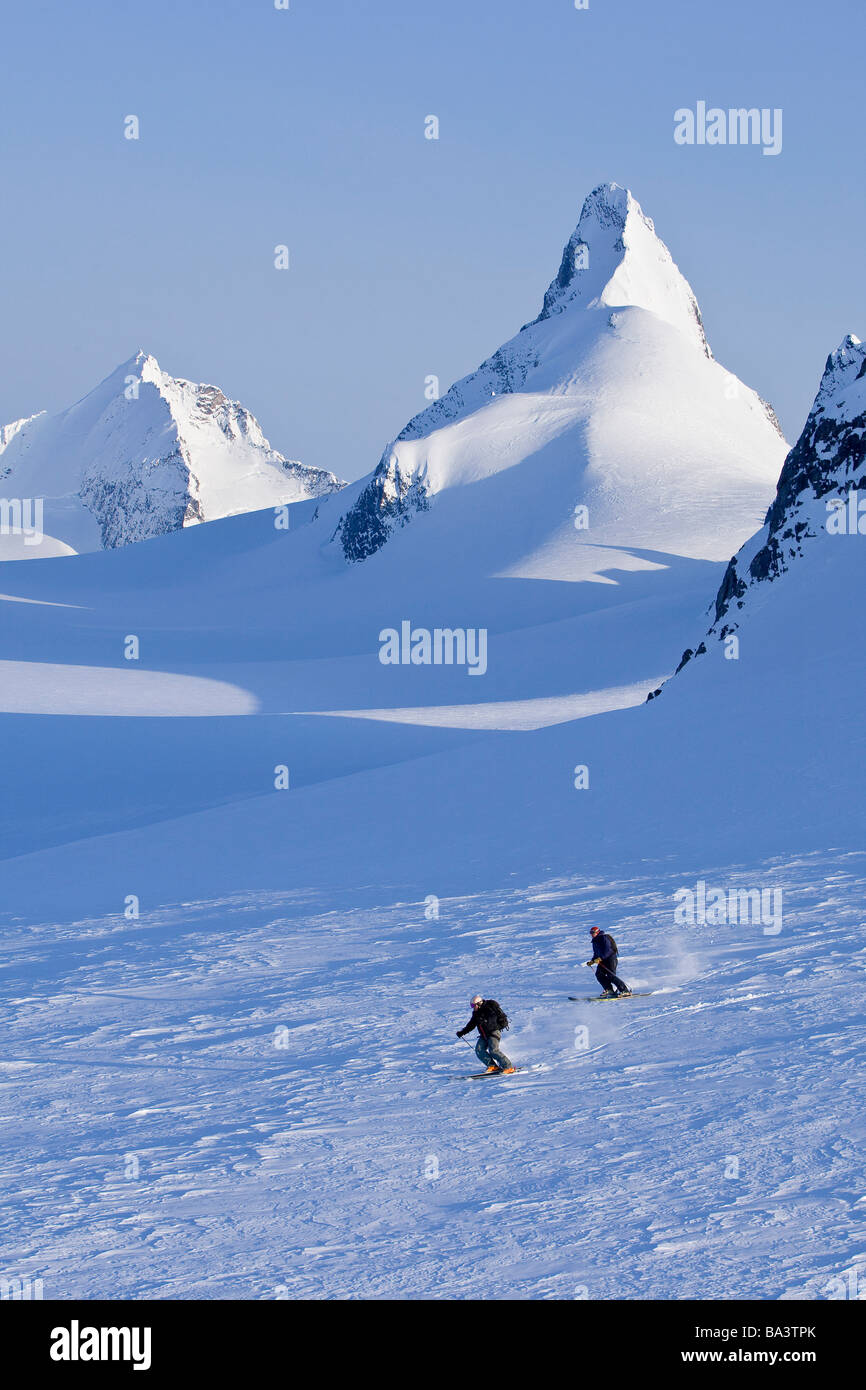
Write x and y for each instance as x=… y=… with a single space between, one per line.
x=348 y=1162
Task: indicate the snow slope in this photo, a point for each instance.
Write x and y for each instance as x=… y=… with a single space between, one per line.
x=141 y=455
x=258 y=1097
x=247 y=1091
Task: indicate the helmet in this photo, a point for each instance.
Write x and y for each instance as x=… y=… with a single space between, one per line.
x=476 y=999
x=594 y=931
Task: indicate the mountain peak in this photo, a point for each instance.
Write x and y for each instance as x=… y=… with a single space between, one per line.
x=147 y=366
x=145 y=453
x=849 y=343
x=141 y=364
x=843 y=368
x=578 y=375
x=614 y=259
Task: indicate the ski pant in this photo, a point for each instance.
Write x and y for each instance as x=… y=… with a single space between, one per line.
x=488 y=1051
x=608 y=978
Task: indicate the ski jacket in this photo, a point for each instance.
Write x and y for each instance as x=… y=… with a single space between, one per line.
x=485 y=1018
x=603 y=947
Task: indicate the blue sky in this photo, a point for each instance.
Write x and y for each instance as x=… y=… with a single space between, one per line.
x=409 y=257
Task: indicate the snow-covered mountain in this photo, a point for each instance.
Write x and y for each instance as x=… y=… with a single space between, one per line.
x=142 y=455
x=820 y=503
x=610 y=399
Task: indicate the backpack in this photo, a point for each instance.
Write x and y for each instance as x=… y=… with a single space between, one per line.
x=613 y=943
x=501 y=1015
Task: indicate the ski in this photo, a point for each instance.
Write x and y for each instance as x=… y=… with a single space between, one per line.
x=609 y=998
x=481 y=1075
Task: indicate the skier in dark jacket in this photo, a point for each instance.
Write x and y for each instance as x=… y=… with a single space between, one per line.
x=489 y=1019
x=605 y=957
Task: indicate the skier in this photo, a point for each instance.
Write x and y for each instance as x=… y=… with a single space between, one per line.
x=605 y=958
x=489 y=1019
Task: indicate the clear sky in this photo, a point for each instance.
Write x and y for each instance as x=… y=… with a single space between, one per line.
x=409 y=256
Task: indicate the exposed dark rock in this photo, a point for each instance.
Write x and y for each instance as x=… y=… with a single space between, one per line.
x=388 y=501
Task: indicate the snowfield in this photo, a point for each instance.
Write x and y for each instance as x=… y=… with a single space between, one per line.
x=260 y=1097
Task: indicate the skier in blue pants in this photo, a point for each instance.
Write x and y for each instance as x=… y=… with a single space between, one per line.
x=489 y=1019
x=605 y=958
